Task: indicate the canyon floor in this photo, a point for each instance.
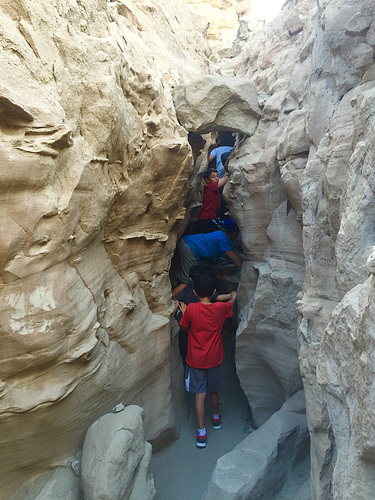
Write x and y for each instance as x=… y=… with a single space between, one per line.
x=182 y=471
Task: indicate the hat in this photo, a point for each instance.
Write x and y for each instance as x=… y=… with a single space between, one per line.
x=230 y=226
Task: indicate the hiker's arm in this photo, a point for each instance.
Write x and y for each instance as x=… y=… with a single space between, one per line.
x=223 y=297
x=176 y=292
x=223 y=180
x=175 y=307
x=234 y=257
x=233 y=297
x=182 y=306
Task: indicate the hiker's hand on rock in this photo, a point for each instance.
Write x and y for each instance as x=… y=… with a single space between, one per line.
x=182 y=306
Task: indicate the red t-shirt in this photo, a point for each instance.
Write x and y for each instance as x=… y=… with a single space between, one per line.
x=205 y=321
x=211 y=202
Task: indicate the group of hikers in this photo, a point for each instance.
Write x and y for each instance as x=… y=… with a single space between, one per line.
x=201 y=312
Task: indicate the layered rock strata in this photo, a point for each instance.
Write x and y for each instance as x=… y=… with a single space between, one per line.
x=94 y=174
x=308 y=165
x=94 y=171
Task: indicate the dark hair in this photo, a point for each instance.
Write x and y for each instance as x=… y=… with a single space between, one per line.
x=204 y=286
x=208 y=172
x=226 y=139
x=195 y=271
x=230 y=226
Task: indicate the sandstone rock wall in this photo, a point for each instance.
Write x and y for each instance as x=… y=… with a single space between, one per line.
x=94 y=170
x=303 y=180
x=221 y=15
x=94 y=175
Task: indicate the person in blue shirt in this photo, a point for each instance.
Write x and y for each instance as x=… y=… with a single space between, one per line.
x=195 y=247
x=217 y=154
x=225 y=145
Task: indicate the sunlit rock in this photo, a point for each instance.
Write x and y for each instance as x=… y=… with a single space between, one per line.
x=93 y=174
x=213 y=103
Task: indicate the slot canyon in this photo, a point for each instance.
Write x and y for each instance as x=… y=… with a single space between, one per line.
x=107 y=113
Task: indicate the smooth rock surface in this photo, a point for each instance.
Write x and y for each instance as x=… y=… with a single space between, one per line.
x=212 y=103
x=116 y=458
x=258 y=466
x=94 y=169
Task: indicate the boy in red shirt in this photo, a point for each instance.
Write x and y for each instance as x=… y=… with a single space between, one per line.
x=211 y=201
x=204 y=320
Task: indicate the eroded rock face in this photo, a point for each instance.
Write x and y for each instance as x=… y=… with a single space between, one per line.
x=313 y=147
x=93 y=173
x=347 y=377
x=258 y=466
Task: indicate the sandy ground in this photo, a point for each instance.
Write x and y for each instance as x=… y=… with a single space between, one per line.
x=182 y=471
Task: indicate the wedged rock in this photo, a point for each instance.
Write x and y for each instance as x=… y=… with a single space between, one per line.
x=217 y=103
x=259 y=465
x=116 y=458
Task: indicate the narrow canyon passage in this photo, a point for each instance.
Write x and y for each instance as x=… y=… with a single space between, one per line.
x=109 y=113
x=181 y=470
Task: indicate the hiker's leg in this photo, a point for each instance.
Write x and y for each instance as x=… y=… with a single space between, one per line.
x=199 y=408
x=214 y=397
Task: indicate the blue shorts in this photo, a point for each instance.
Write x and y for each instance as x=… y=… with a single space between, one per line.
x=199 y=380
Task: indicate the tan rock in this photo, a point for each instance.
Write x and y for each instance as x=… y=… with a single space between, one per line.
x=116 y=458
x=346 y=375
x=212 y=103
x=93 y=173
x=315 y=133
x=220 y=14
x=259 y=465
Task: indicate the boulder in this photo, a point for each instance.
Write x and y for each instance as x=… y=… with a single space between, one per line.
x=217 y=103
x=116 y=458
x=259 y=465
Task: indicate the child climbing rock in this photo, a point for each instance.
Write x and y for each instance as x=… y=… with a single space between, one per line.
x=211 y=201
x=226 y=143
x=205 y=352
x=195 y=247
x=186 y=297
